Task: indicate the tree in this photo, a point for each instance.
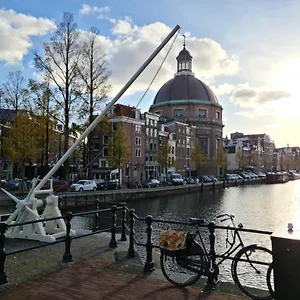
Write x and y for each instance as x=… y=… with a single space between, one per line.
x=60 y=65
x=240 y=159
x=163 y=155
x=198 y=158
x=14 y=91
x=47 y=112
x=94 y=75
x=118 y=150
x=24 y=142
x=220 y=160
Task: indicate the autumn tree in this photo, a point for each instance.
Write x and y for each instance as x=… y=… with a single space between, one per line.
x=220 y=160
x=163 y=155
x=118 y=150
x=94 y=87
x=23 y=144
x=14 y=91
x=240 y=159
x=198 y=158
x=60 y=65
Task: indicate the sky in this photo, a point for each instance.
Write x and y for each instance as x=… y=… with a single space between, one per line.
x=247 y=51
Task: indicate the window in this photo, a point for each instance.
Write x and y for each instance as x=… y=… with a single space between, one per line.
x=218 y=115
x=96 y=146
x=188 y=151
x=202 y=113
x=105 y=139
x=105 y=152
x=158 y=112
x=173 y=150
x=147 y=131
x=151 y=146
x=103 y=163
x=114 y=126
x=138 y=152
x=178 y=112
x=138 y=128
x=137 y=140
x=204 y=144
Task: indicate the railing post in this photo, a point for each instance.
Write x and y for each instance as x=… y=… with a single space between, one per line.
x=201 y=187
x=212 y=279
x=131 y=252
x=113 y=242
x=67 y=255
x=149 y=264
x=96 y=217
x=3 y=277
x=123 y=234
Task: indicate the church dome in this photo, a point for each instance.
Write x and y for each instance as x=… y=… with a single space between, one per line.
x=185 y=87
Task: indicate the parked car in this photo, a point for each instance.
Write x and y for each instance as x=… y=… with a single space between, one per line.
x=113 y=184
x=101 y=184
x=229 y=177
x=83 y=185
x=204 y=178
x=13 y=184
x=191 y=180
x=57 y=185
x=213 y=178
x=174 y=179
x=151 y=183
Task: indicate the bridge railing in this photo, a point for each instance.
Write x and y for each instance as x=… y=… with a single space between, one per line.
x=118 y=223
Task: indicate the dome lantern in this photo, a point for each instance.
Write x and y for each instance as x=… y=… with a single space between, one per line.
x=184 y=60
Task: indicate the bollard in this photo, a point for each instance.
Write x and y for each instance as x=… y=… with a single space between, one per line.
x=96 y=217
x=131 y=252
x=243 y=181
x=123 y=234
x=224 y=183
x=201 y=187
x=149 y=264
x=214 y=185
x=3 y=277
x=67 y=255
x=235 y=182
x=113 y=242
x=212 y=279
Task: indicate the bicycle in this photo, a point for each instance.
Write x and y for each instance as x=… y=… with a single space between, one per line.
x=184 y=259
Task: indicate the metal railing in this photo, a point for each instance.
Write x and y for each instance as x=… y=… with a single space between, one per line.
x=126 y=228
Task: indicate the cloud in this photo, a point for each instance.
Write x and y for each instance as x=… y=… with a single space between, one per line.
x=245 y=96
x=16 y=31
x=130 y=45
x=100 y=11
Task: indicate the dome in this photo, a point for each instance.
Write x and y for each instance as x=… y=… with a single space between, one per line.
x=184 y=87
x=184 y=52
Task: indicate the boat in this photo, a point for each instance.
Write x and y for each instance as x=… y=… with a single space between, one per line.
x=278 y=177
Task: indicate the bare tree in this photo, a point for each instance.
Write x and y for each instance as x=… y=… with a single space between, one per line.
x=62 y=56
x=14 y=91
x=94 y=75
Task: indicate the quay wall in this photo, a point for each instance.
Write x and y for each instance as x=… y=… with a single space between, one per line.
x=83 y=198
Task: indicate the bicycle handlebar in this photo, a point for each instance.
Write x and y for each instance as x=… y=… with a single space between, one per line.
x=225 y=215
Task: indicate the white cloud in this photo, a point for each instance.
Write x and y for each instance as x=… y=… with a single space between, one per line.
x=245 y=96
x=101 y=12
x=16 y=31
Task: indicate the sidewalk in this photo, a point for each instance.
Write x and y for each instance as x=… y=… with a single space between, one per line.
x=108 y=276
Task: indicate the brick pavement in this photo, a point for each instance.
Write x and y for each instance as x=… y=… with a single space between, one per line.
x=95 y=279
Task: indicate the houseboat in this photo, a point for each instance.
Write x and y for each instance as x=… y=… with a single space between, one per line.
x=278 y=177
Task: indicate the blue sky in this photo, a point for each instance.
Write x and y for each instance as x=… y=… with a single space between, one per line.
x=246 y=50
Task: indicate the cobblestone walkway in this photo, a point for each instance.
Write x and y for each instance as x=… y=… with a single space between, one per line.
x=94 y=279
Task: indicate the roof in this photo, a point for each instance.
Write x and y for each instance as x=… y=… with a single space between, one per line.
x=185 y=87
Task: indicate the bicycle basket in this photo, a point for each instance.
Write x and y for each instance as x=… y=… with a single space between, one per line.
x=172 y=240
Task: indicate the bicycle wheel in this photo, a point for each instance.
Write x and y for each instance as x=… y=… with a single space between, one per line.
x=270 y=280
x=176 y=268
x=249 y=271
